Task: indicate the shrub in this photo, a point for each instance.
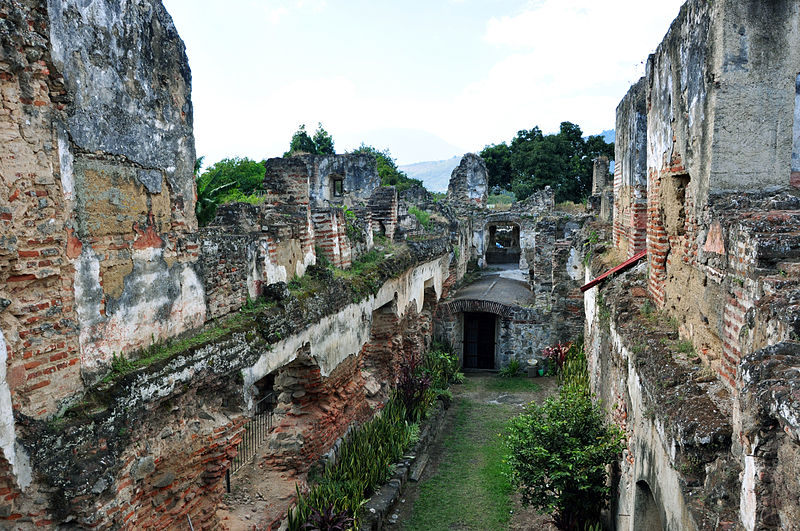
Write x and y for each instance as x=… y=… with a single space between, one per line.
x=574 y=376
x=510 y=370
x=558 y=456
x=441 y=365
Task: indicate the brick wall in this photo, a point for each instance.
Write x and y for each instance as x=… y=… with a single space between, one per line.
x=330 y=235
x=383 y=206
x=37 y=316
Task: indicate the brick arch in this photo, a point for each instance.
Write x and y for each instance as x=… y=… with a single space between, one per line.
x=472 y=305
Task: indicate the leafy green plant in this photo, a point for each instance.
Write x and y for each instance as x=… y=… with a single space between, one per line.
x=647 y=309
x=685 y=347
x=558 y=453
x=423 y=217
x=510 y=370
x=574 y=376
x=441 y=365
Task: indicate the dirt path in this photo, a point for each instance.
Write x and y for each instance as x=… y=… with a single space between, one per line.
x=463 y=486
x=259 y=497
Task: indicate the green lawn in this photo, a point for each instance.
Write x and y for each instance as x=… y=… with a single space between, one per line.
x=471 y=489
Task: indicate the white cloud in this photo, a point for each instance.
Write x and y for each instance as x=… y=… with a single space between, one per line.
x=566 y=60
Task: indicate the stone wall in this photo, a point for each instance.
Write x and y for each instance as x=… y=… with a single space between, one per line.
x=469 y=182
x=718 y=101
x=98 y=216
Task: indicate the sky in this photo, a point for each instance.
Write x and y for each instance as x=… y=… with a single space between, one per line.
x=427 y=79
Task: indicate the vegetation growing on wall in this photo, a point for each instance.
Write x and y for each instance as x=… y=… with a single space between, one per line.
x=387 y=169
x=533 y=160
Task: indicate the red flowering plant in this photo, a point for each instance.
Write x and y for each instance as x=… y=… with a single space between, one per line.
x=555 y=356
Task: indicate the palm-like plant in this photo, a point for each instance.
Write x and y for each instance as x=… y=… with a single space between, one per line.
x=208 y=193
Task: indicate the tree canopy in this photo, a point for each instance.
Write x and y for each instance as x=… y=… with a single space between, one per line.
x=235 y=179
x=533 y=160
x=387 y=169
x=320 y=144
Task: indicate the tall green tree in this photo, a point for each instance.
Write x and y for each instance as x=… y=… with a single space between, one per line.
x=498 y=163
x=534 y=160
x=226 y=180
x=302 y=142
x=323 y=142
x=387 y=168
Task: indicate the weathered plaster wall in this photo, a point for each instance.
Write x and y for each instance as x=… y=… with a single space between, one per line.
x=98 y=190
x=675 y=416
x=359 y=175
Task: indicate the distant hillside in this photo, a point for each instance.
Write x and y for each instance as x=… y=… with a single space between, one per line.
x=435 y=175
x=609 y=135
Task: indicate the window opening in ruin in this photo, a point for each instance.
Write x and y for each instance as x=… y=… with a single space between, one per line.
x=256 y=431
x=674 y=204
x=646 y=514
x=479 y=339
x=338 y=187
x=503 y=246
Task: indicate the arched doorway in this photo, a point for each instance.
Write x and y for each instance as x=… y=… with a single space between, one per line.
x=647 y=513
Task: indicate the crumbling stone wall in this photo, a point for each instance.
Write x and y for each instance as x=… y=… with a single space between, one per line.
x=93 y=206
x=100 y=256
x=358 y=173
x=630 y=172
x=469 y=182
x=719 y=104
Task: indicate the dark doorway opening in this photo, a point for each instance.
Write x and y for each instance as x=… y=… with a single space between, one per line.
x=479 y=340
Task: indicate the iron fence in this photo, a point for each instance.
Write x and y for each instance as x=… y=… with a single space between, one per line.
x=255 y=433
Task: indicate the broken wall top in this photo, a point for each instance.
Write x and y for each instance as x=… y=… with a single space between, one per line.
x=469 y=182
x=721 y=95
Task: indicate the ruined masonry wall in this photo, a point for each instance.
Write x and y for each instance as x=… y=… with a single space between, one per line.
x=96 y=216
x=719 y=98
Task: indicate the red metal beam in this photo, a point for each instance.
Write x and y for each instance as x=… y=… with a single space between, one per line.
x=622 y=267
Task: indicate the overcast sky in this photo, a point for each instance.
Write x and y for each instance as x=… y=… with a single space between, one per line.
x=428 y=79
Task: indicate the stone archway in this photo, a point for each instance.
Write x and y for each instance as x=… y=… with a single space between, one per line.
x=646 y=512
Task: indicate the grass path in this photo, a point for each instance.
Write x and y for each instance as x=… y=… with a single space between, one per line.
x=466 y=487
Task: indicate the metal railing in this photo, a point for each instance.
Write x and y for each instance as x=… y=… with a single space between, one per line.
x=255 y=433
